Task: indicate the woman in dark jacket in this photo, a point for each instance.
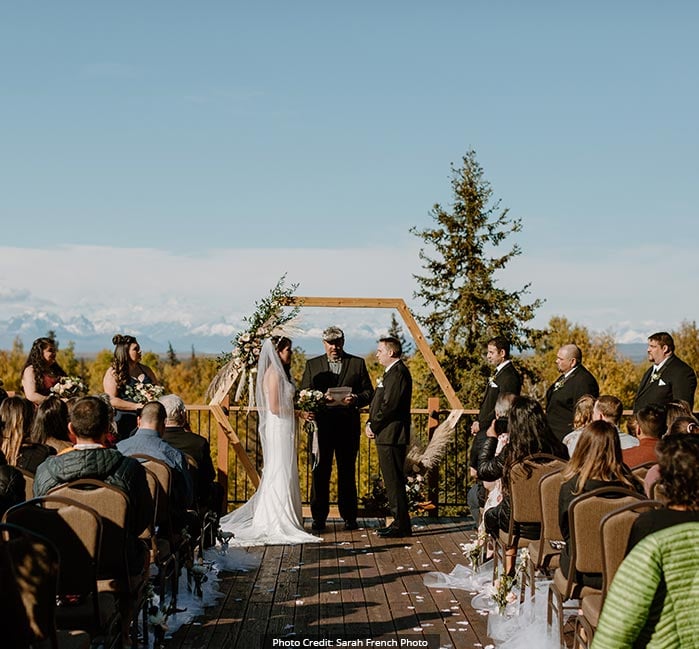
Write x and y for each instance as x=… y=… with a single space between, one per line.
x=12 y=486
x=529 y=433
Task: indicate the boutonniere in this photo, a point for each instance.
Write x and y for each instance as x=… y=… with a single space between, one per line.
x=655 y=375
x=491 y=382
x=379 y=382
x=559 y=384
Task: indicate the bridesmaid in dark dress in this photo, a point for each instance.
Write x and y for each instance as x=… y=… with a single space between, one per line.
x=126 y=370
x=41 y=371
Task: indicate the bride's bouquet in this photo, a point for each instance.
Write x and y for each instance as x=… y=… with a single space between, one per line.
x=143 y=392
x=311 y=401
x=68 y=387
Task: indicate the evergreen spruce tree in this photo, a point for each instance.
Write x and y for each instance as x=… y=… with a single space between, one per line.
x=466 y=306
x=396 y=331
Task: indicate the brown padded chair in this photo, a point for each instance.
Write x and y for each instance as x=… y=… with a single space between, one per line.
x=29 y=565
x=585 y=514
x=525 y=504
x=114 y=575
x=543 y=557
x=77 y=530
x=614 y=536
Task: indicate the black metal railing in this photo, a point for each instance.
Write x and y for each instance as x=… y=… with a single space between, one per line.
x=447 y=484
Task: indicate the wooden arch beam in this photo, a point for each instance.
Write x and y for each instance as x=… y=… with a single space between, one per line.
x=410 y=322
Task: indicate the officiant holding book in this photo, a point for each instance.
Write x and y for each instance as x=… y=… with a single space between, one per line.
x=344 y=379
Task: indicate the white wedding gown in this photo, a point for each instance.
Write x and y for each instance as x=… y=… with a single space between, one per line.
x=273 y=515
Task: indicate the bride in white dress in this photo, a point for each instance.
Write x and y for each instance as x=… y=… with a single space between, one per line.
x=273 y=515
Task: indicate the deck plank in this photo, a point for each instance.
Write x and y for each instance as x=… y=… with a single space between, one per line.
x=354 y=584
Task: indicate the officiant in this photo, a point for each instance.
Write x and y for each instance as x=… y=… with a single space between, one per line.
x=339 y=428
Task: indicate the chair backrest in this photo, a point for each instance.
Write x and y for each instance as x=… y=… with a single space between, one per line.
x=28 y=483
x=640 y=470
x=73 y=527
x=614 y=536
x=549 y=491
x=112 y=504
x=163 y=474
x=524 y=482
x=585 y=514
x=29 y=574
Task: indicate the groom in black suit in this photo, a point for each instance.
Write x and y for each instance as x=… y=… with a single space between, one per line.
x=668 y=379
x=574 y=382
x=389 y=427
x=339 y=429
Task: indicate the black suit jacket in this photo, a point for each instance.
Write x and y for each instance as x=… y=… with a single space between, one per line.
x=506 y=380
x=677 y=381
x=198 y=447
x=354 y=374
x=560 y=403
x=389 y=414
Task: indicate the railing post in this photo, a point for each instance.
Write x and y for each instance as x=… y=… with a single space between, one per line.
x=433 y=476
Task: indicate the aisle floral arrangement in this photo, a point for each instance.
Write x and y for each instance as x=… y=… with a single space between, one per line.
x=376 y=501
x=68 y=387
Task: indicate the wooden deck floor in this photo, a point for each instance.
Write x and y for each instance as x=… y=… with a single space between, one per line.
x=353 y=586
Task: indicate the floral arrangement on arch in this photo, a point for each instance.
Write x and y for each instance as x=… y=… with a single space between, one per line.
x=267 y=320
x=68 y=387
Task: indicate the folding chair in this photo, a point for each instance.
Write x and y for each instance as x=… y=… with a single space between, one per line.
x=525 y=504
x=29 y=565
x=543 y=557
x=614 y=536
x=77 y=530
x=585 y=514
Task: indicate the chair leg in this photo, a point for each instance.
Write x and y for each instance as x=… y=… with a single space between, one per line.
x=555 y=600
x=582 y=636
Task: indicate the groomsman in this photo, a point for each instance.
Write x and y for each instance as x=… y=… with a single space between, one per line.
x=389 y=427
x=574 y=382
x=668 y=379
x=504 y=379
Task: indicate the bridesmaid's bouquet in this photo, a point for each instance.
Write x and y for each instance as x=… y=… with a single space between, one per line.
x=68 y=387
x=143 y=392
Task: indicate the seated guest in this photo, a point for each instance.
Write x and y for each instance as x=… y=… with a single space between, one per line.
x=89 y=458
x=610 y=409
x=651 y=427
x=50 y=425
x=680 y=426
x=678 y=462
x=676 y=409
x=147 y=440
x=178 y=435
x=17 y=414
x=12 y=486
x=653 y=598
x=528 y=433
x=596 y=463
x=41 y=371
x=582 y=416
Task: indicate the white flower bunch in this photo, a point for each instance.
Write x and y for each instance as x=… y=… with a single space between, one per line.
x=69 y=386
x=144 y=392
x=310 y=400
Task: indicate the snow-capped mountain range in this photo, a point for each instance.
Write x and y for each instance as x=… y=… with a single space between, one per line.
x=91 y=336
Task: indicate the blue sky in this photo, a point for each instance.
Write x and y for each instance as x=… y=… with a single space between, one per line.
x=172 y=160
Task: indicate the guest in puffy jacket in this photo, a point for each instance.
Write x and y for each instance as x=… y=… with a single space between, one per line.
x=89 y=458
